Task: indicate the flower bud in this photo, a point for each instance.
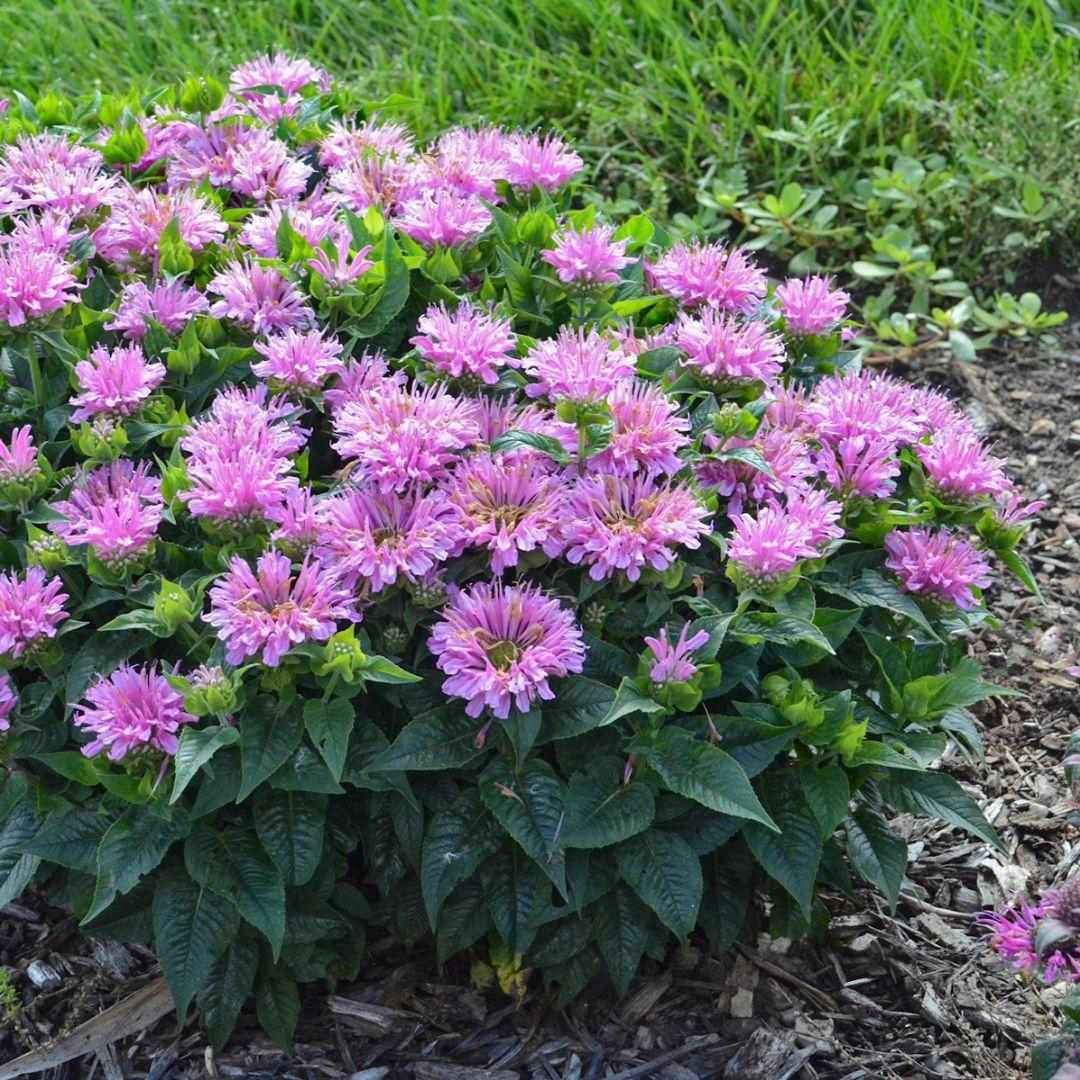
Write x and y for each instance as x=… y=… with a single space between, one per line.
x=395 y=639
x=536 y=228
x=174 y=606
x=342 y=656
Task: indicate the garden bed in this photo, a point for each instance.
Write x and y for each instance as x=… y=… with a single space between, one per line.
x=910 y=994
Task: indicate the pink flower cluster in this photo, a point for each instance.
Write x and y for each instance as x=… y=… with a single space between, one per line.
x=351 y=477
x=1014 y=933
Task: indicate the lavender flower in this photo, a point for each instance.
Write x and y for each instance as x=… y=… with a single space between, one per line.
x=578 y=366
x=588 y=258
x=131 y=709
x=937 y=565
x=171 y=305
x=546 y=162
x=115 y=383
x=616 y=523
x=115 y=510
x=374 y=539
x=399 y=436
x=8 y=700
x=466 y=344
x=266 y=613
x=672 y=663
x=722 y=350
x=299 y=362
x=508 y=505
x=809 y=307
x=259 y=298
x=30 y=611
x=710 y=275
x=500 y=645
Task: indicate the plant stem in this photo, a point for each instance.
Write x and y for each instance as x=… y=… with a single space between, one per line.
x=36 y=380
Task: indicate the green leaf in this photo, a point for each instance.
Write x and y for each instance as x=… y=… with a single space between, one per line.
x=100 y=656
x=458 y=840
x=277 y=1005
x=827 y=793
x=392 y=294
x=700 y=771
x=269 y=733
x=630 y=700
x=290 y=828
x=529 y=806
x=872 y=590
x=664 y=871
x=521 y=730
x=601 y=810
x=329 y=723
x=580 y=705
x=445 y=738
x=791 y=857
x=515 y=439
x=244 y=873
x=193 y=926
x=70 y=840
x=133 y=846
x=463 y=921
x=782 y=629
x=379 y=669
x=621 y=925
x=226 y=989
x=515 y=889
x=877 y=854
x=17 y=868
x=934 y=794
x=729 y=881
x=71 y=765
x=197 y=746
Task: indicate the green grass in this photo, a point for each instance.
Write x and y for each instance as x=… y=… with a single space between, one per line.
x=658 y=87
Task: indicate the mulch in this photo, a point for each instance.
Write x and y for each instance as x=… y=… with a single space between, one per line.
x=912 y=994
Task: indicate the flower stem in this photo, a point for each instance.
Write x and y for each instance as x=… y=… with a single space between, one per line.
x=581 y=449
x=36 y=380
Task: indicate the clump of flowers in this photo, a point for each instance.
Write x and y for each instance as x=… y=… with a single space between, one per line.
x=1039 y=939
x=390 y=515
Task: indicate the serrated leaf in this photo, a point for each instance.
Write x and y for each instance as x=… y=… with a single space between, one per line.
x=277 y=1005
x=514 y=890
x=193 y=926
x=196 y=747
x=442 y=739
x=269 y=733
x=580 y=705
x=226 y=989
x=827 y=793
x=516 y=439
x=71 y=840
x=621 y=925
x=260 y=888
x=463 y=921
x=290 y=826
x=666 y=874
x=629 y=700
x=132 y=846
x=791 y=856
x=936 y=795
x=729 y=881
x=877 y=854
x=330 y=723
x=601 y=810
x=529 y=806
x=100 y=656
x=458 y=840
x=700 y=771
x=873 y=590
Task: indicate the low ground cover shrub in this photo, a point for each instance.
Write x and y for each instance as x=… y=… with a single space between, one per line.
x=391 y=542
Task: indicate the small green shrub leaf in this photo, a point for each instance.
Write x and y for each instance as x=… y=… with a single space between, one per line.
x=664 y=871
x=193 y=926
x=877 y=854
x=289 y=825
x=601 y=810
x=269 y=733
x=330 y=723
